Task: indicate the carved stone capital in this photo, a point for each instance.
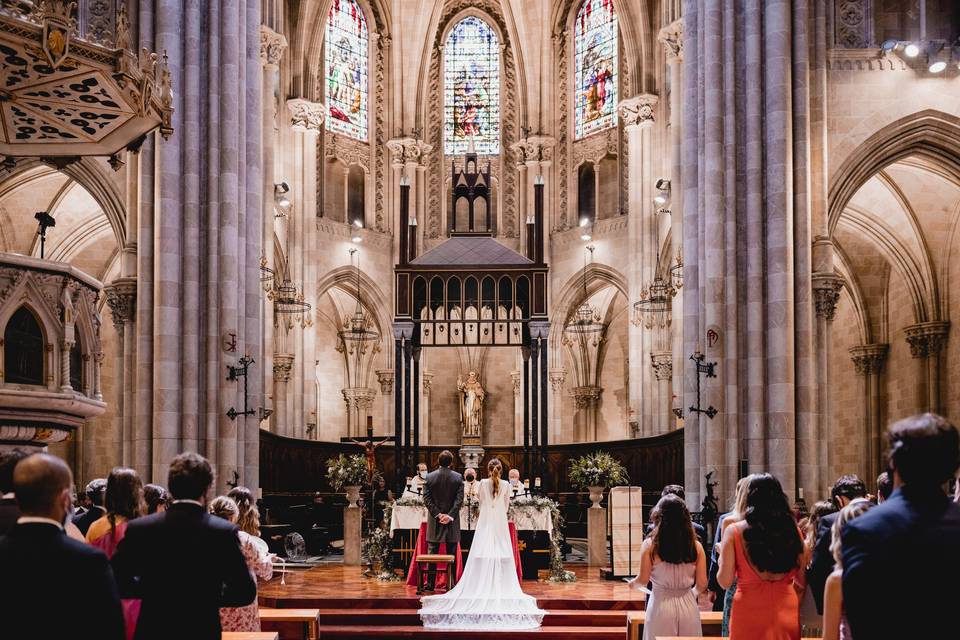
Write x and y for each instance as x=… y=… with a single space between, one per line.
x=427 y=380
x=662 y=363
x=122 y=300
x=671 y=37
x=272 y=46
x=869 y=358
x=587 y=396
x=826 y=293
x=639 y=109
x=927 y=339
x=358 y=397
x=306 y=115
x=557 y=378
x=515 y=377
x=533 y=149
x=282 y=366
x=404 y=150
x=385 y=378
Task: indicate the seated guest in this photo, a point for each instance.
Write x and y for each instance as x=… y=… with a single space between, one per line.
x=183 y=563
x=764 y=553
x=905 y=551
x=9 y=511
x=835 y=626
x=156 y=498
x=810 y=618
x=258 y=560
x=95 y=491
x=50 y=580
x=673 y=560
x=677 y=490
x=884 y=486
x=124 y=502
x=845 y=490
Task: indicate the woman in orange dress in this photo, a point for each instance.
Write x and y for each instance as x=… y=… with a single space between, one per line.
x=764 y=553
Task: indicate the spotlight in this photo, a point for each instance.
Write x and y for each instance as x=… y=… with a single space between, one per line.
x=584 y=222
x=889 y=46
x=585 y=236
x=937 y=66
x=663 y=192
x=356 y=239
x=358 y=223
x=912 y=50
x=280 y=192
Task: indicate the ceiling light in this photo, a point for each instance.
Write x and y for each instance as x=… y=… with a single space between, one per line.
x=584 y=222
x=937 y=66
x=912 y=50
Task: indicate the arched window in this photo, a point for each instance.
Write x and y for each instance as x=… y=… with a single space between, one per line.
x=597 y=67
x=23 y=349
x=345 y=46
x=471 y=88
x=76 y=364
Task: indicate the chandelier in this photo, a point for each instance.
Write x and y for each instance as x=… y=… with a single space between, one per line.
x=585 y=320
x=359 y=329
x=654 y=309
x=676 y=271
x=288 y=300
x=267 y=274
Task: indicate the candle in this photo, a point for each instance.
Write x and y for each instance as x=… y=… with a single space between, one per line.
x=800 y=492
x=536 y=483
x=526 y=483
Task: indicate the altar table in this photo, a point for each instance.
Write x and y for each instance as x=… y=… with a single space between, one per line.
x=413 y=572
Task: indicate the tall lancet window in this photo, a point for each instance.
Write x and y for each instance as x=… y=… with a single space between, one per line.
x=471 y=88
x=597 y=67
x=345 y=57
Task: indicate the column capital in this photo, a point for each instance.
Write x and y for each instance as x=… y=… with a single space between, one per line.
x=306 y=115
x=122 y=300
x=515 y=377
x=272 y=46
x=359 y=397
x=426 y=379
x=406 y=150
x=869 y=358
x=385 y=378
x=671 y=37
x=826 y=293
x=282 y=366
x=926 y=339
x=662 y=362
x=638 y=110
x=533 y=149
x=586 y=396
x=557 y=377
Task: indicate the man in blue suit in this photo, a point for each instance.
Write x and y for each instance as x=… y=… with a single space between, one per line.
x=901 y=559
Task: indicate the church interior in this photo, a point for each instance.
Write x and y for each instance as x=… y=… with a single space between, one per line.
x=320 y=242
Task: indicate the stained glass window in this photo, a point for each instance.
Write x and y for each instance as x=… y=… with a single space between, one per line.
x=595 y=43
x=346 y=68
x=471 y=88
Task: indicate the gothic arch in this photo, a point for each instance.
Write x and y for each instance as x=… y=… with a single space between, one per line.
x=570 y=295
x=371 y=296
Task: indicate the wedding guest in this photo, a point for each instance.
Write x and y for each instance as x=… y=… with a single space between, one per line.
x=516 y=486
x=51 y=580
x=884 y=486
x=910 y=542
x=381 y=495
x=248 y=519
x=183 y=563
x=735 y=515
x=677 y=490
x=95 y=490
x=846 y=489
x=9 y=511
x=810 y=618
x=835 y=626
x=259 y=562
x=124 y=502
x=673 y=560
x=764 y=553
x=156 y=497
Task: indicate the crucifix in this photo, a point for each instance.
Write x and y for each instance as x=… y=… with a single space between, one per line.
x=370 y=449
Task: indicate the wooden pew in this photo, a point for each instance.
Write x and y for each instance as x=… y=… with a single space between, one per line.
x=249 y=635
x=277 y=619
x=709 y=620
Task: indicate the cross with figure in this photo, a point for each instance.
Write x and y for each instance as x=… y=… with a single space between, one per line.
x=370 y=449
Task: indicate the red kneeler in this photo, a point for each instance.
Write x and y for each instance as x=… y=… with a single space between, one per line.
x=413 y=573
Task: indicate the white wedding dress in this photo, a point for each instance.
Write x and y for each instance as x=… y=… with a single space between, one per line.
x=488 y=595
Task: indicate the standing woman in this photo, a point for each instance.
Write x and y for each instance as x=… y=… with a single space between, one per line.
x=835 y=626
x=736 y=515
x=248 y=519
x=672 y=559
x=123 y=502
x=764 y=554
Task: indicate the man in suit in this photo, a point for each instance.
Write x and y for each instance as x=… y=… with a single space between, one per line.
x=901 y=559
x=9 y=511
x=183 y=563
x=95 y=491
x=443 y=495
x=51 y=580
x=845 y=490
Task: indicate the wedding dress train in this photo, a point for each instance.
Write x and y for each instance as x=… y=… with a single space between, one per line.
x=488 y=595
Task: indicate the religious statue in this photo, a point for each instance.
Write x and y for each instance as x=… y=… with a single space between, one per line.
x=471 y=404
x=370 y=453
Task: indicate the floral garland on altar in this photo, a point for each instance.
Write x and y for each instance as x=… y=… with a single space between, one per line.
x=378 y=547
x=526 y=505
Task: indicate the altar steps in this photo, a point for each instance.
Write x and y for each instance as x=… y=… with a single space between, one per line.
x=413 y=602
x=410 y=617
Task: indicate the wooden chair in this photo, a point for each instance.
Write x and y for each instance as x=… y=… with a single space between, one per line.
x=275 y=619
x=432 y=564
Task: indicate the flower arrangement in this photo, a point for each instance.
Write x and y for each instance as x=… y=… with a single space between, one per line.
x=557 y=571
x=346 y=471
x=597 y=470
x=378 y=548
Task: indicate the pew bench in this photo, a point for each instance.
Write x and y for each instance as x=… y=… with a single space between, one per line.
x=709 y=620
x=282 y=619
x=249 y=635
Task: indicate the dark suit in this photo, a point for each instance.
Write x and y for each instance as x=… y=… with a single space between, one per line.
x=9 y=512
x=87 y=518
x=51 y=581
x=184 y=564
x=821 y=563
x=901 y=564
x=443 y=493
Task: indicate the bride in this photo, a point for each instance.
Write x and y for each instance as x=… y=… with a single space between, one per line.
x=488 y=595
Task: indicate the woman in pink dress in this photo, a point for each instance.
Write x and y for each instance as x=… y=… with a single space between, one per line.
x=258 y=560
x=124 y=502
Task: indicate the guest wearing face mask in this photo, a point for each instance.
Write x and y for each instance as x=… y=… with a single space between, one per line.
x=516 y=487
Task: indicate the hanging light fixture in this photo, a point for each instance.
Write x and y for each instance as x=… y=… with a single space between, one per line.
x=676 y=271
x=267 y=275
x=288 y=300
x=358 y=330
x=586 y=319
x=654 y=309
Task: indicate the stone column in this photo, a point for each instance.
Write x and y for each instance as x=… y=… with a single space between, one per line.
x=926 y=341
x=534 y=156
x=122 y=300
x=597 y=537
x=282 y=366
x=586 y=399
x=662 y=363
x=359 y=400
x=385 y=379
x=638 y=117
x=408 y=156
x=558 y=376
x=815 y=474
x=517 y=378
x=868 y=362
x=427 y=391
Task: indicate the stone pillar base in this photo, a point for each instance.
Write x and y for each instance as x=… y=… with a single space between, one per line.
x=351 y=536
x=597 y=555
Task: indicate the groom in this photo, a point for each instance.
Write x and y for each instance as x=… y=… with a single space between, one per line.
x=443 y=495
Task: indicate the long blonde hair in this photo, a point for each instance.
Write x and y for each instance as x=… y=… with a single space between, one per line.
x=494 y=469
x=853 y=510
x=249 y=518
